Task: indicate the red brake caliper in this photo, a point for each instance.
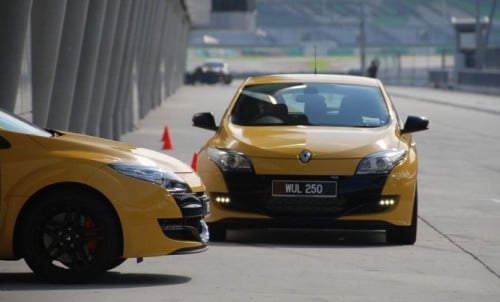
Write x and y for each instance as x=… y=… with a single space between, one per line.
x=89 y=234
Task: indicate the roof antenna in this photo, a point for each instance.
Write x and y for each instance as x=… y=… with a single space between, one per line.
x=315 y=71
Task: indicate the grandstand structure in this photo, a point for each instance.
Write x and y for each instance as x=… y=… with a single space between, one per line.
x=387 y=23
x=383 y=29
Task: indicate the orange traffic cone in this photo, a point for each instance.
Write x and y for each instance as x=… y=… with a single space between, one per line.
x=167 y=143
x=194 y=162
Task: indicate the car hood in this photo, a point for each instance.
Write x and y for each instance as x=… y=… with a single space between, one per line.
x=323 y=142
x=109 y=151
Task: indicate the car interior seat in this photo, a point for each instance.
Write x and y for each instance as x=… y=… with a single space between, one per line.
x=280 y=111
x=355 y=109
x=315 y=109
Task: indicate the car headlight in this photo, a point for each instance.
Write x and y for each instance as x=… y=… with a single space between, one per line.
x=381 y=162
x=169 y=180
x=229 y=160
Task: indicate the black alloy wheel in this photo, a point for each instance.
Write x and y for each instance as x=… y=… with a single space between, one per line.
x=70 y=237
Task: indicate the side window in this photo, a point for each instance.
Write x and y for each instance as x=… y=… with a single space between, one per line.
x=249 y=108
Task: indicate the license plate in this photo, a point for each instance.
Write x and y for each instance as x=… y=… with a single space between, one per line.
x=299 y=188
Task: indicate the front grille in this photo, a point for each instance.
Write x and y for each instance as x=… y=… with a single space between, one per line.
x=192 y=204
x=190 y=229
x=355 y=194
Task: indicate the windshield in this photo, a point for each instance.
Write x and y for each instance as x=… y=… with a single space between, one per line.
x=13 y=123
x=310 y=104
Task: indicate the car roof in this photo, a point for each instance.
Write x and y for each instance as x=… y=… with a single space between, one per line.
x=313 y=78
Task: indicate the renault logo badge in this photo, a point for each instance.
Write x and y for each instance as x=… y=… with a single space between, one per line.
x=305 y=156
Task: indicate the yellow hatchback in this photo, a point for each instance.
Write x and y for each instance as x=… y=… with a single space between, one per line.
x=74 y=206
x=311 y=151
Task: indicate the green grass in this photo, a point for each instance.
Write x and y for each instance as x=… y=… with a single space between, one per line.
x=322 y=64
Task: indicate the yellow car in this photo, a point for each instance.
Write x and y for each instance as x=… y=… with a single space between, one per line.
x=311 y=151
x=74 y=206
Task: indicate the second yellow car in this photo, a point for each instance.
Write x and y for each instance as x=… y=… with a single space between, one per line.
x=312 y=151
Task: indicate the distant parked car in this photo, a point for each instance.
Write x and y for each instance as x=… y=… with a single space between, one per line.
x=210 y=72
x=311 y=151
x=74 y=206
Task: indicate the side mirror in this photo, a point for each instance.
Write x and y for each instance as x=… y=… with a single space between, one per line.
x=205 y=120
x=414 y=124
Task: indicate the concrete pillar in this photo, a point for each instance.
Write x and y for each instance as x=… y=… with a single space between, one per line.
x=164 y=57
x=169 y=49
x=14 y=17
x=124 y=113
x=183 y=46
x=157 y=68
x=146 y=62
x=67 y=64
x=103 y=63
x=46 y=37
x=176 y=27
x=108 y=111
x=137 y=111
x=87 y=65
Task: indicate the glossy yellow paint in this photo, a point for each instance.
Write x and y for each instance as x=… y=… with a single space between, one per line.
x=311 y=78
x=401 y=182
x=33 y=163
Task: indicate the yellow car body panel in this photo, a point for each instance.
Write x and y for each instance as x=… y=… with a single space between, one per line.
x=35 y=162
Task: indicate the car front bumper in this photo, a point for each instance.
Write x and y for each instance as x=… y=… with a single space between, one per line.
x=153 y=221
x=191 y=227
x=253 y=193
x=362 y=201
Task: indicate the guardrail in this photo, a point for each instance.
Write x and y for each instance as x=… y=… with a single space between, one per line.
x=482 y=81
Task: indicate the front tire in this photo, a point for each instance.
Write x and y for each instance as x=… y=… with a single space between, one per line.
x=117 y=262
x=70 y=237
x=217 y=232
x=405 y=235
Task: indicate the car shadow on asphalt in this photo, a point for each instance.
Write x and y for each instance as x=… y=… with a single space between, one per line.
x=28 y=281
x=305 y=238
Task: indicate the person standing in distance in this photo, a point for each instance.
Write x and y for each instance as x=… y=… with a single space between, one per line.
x=373 y=68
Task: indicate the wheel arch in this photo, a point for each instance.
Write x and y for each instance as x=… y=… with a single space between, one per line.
x=54 y=189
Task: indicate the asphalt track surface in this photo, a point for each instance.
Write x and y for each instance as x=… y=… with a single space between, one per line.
x=456 y=256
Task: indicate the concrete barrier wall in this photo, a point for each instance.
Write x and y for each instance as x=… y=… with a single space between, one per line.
x=473 y=80
x=90 y=66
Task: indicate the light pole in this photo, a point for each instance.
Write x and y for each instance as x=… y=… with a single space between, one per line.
x=362 y=38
